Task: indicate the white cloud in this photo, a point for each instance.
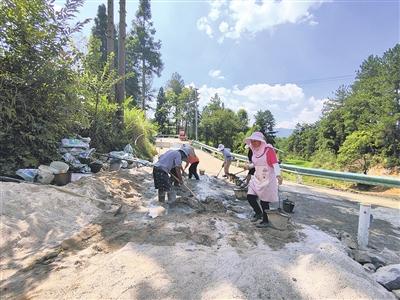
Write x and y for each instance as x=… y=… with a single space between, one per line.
x=203 y=25
x=223 y=27
x=216 y=74
x=246 y=16
x=287 y=102
x=266 y=92
x=215 y=10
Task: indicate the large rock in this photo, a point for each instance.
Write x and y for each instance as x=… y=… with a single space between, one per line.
x=377 y=261
x=363 y=257
x=389 y=276
x=348 y=240
x=396 y=293
x=369 y=268
x=389 y=256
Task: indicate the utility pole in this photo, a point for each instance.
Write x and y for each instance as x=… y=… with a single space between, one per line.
x=195 y=114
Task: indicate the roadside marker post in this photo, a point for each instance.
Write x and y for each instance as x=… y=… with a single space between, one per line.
x=363 y=225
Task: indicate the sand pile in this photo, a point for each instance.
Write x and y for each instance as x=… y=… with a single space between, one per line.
x=316 y=267
x=182 y=254
x=36 y=217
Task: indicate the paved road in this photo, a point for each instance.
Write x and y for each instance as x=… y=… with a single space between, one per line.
x=209 y=163
x=328 y=209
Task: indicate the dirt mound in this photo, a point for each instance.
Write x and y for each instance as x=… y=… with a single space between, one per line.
x=185 y=253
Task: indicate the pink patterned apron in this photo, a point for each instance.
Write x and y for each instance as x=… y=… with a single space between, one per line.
x=263 y=183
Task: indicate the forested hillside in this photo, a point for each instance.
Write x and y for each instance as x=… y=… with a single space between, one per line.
x=360 y=126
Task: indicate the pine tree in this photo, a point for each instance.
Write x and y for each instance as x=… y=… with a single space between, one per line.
x=99 y=31
x=144 y=51
x=265 y=122
x=162 y=110
x=175 y=87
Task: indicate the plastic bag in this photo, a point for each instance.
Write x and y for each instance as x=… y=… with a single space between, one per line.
x=74 y=143
x=28 y=174
x=128 y=149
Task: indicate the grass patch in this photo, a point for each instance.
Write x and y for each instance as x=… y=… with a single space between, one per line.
x=298 y=162
x=317 y=181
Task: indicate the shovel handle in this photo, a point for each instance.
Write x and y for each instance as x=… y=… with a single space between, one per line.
x=184 y=185
x=239 y=172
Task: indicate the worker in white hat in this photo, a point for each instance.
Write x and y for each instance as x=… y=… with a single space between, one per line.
x=228 y=157
x=264 y=183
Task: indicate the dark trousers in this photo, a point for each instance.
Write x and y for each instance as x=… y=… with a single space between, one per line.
x=174 y=177
x=252 y=199
x=193 y=171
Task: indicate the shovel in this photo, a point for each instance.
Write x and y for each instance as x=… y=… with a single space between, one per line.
x=220 y=170
x=193 y=194
x=239 y=172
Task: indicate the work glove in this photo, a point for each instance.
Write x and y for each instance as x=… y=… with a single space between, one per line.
x=249 y=166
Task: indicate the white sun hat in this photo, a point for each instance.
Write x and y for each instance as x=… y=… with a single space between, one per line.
x=256 y=136
x=221 y=147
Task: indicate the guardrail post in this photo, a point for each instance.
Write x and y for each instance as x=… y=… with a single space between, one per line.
x=363 y=225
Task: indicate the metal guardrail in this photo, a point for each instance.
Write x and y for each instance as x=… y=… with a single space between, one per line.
x=344 y=176
x=167 y=136
x=202 y=146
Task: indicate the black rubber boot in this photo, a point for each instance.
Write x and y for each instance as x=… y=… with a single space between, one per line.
x=161 y=196
x=256 y=217
x=171 y=196
x=252 y=199
x=264 y=225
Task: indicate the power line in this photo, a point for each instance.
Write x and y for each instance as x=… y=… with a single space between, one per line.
x=320 y=80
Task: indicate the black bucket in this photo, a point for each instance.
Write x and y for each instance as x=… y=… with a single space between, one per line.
x=62 y=178
x=95 y=167
x=288 y=206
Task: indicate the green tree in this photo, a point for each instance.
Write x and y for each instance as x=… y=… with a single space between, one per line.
x=209 y=110
x=370 y=105
x=356 y=151
x=99 y=31
x=243 y=120
x=265 y=122
x=162 y=111
x=144 y=51
x=192 y=112
x=38 y=94
x=97 y=88
x=218 y=124
x=176 y=101
x=331 y=128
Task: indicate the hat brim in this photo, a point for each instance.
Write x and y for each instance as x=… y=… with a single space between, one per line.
x=253 y=138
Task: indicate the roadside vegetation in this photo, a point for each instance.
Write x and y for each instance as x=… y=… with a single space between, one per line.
x=50 y=89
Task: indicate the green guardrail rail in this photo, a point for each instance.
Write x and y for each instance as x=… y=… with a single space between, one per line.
x=344 y=176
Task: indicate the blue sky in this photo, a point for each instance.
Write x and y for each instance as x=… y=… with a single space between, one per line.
x=285 y=56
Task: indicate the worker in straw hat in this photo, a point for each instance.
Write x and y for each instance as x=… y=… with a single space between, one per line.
x=228 y=157
x=169 y=163
x=264 y=183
